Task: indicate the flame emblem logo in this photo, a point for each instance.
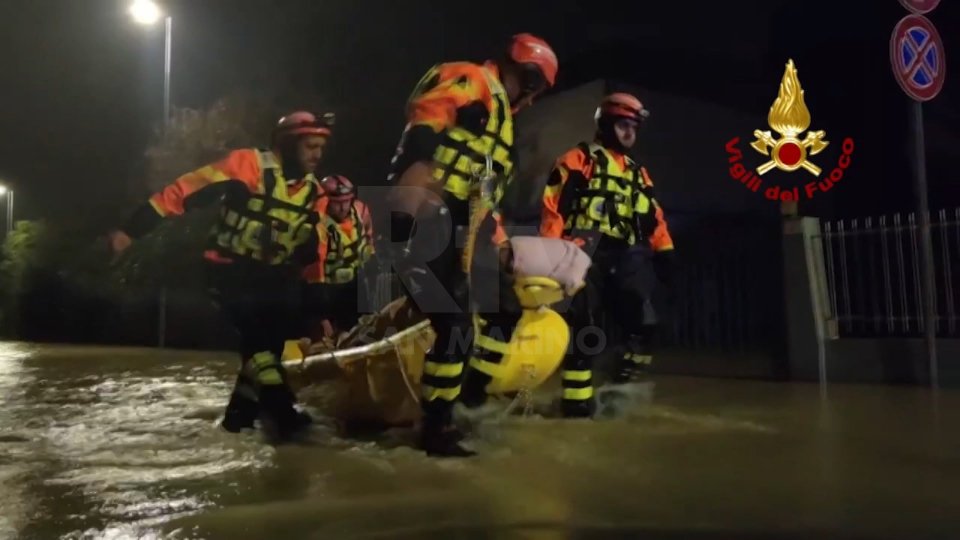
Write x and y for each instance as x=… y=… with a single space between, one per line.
x=789 y=117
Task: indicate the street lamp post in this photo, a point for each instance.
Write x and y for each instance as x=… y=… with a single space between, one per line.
x=147 y=12
x=5 y=191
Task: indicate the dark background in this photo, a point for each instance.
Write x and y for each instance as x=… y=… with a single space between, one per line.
x=82 y=98
x=82 y=84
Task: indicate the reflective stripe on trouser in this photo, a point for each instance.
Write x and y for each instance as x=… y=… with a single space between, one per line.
x=267 y=368
x=441 y=377
x=488 y=353
x=489 y=348
x=577 y=385
x=491 y=344
x=639 y=360
x=639 y=347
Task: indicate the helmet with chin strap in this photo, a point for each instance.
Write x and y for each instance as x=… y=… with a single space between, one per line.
x=338 y=188
x=621 y=105
x=301 y=123
x=537 y=60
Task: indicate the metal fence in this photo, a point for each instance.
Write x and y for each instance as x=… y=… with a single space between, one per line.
x=874 y=274
x=728 y=293
x=385 y=287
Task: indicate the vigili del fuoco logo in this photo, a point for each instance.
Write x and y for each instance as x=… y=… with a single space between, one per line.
x=789 y=117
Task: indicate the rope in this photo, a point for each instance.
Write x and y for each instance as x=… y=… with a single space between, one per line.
x=403 y=373
x=479 y=208
x=524 y=394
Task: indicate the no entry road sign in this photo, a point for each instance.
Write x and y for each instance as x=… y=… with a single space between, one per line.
x=917 y=57
x=920 y=6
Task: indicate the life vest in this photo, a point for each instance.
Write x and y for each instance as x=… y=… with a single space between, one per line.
x=347 y=248
x=612 y=198
x=269 y=224
x=462 y=155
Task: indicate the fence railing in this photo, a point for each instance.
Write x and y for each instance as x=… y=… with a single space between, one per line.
x=727 y=291
x=727 y=294
x=874 y=274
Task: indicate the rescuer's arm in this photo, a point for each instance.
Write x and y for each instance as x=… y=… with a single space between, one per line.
x=446 y=96
x=186 y=192
x=569 y=176
x=660 y=239
x=366 y=229
x=664 y=261
x=307 y=253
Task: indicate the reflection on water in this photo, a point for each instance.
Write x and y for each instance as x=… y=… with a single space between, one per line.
x=120 y=443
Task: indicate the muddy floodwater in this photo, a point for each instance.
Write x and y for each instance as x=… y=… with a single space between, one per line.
x=122 y=443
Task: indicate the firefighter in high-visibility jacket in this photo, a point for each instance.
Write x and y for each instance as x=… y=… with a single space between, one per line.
x=602 y=199
x=265 y=235
x=458 y=136
x=335 y=291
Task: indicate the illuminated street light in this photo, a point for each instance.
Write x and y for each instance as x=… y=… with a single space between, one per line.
x=145 y=11
x=148 y=12
x=3 y=189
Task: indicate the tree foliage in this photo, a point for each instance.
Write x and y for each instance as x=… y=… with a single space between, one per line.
x=58 y=282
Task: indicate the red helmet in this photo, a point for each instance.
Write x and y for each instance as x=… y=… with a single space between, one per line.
x=338 y=188
x=531 y=50
x=622 y=105
x=303 y=123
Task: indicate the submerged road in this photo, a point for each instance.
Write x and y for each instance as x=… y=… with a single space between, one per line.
x=122 y=443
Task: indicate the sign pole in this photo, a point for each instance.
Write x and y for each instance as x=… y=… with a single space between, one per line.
x=929 y=281
x=919 y=66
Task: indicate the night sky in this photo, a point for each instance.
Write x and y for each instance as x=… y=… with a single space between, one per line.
x=82 y=84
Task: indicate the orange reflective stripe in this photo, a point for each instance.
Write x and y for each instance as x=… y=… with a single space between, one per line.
x=660 y=240
x=240 y=165
x=551 y=221
x=457 y=84
x=499 y=233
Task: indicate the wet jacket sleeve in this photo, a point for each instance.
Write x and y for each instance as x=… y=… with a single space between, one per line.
x=568 y=176
x=660 y=240
x=173 y=200
x=447 y=95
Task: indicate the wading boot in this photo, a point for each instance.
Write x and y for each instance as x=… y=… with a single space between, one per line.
x=281 y=421
x=632 y=368
x=578 y=408
x=443 y=440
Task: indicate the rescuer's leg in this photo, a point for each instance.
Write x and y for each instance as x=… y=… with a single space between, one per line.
x=437 y=286
x=634 y=286
x=277 y=308
x=500 y=312
x=235 y=306
x=586 y=339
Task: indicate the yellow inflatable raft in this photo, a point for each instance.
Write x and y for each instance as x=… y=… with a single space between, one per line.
x=376 y=368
